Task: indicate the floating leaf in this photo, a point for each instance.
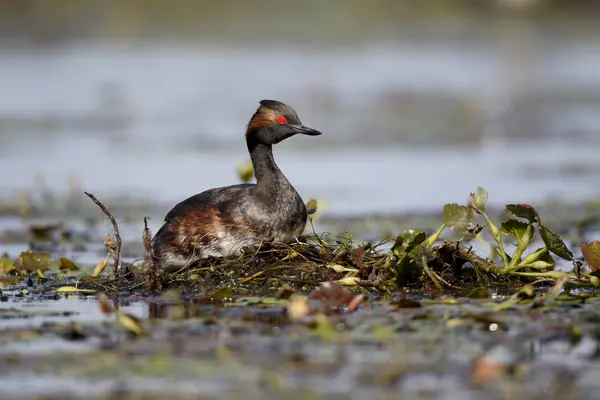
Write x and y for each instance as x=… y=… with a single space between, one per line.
x=73 y=289
x=66 y=264
x=223 y=293
x=131 y=323
x=11 y=280
x=43 y=232
x=457 y=217
x=525 y=211
x=33 y=261
x=6 y=266
x=101 y=266
x=404 y=302
x=333 y=295
x=481 y=292
x=555 y=244
x=479 y=198
x=591 y=254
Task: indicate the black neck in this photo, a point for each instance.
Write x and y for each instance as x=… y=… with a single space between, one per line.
x=265 y=169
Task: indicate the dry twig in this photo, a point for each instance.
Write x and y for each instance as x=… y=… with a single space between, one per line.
x=153 y=283
x=113 y=221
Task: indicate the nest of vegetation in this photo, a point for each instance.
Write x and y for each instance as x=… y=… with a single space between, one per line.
x=301 y=265
x=412 y=259
x=304 y=265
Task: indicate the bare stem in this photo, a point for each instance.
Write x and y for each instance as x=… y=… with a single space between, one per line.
x=113 y=221
x=550 y=274
x=153 y=283
x=433 y=238
x=497 y=238
x=521 y=247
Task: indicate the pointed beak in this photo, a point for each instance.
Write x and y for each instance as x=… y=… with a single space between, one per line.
x=305 y=130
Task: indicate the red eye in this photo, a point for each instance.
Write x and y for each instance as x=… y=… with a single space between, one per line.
x=282 y=120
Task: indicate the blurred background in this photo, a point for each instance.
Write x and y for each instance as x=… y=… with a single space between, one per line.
x=420 y=101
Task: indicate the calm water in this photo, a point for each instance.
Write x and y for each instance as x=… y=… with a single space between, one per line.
x=404 y=126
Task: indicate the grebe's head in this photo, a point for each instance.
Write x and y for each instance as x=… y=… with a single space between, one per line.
x=275 y=121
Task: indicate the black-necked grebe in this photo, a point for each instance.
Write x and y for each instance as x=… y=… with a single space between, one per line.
x=221 y=221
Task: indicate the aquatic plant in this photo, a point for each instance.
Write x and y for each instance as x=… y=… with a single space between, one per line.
x=415 y=252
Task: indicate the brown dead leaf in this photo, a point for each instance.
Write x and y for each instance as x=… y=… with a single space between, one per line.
x=359 y=256
x=333 y=296
x=591 y=254
x=108 y=242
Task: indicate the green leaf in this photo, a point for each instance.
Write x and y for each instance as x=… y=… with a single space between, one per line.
x=547 y=257
x=6 y=266
x=222 y=293
x=525 y=211
x=73 y=289
x=481 y=292
x=33 y=261
x=409 y=249
x=595 y=273
x=409 y=267
x=479 y=198
x=66 y=264
x=458 y=218
x=555 y=244
x=539 y=254
x=591 y=254
x=43 y=232
x=516 y=229
x=407 y=240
